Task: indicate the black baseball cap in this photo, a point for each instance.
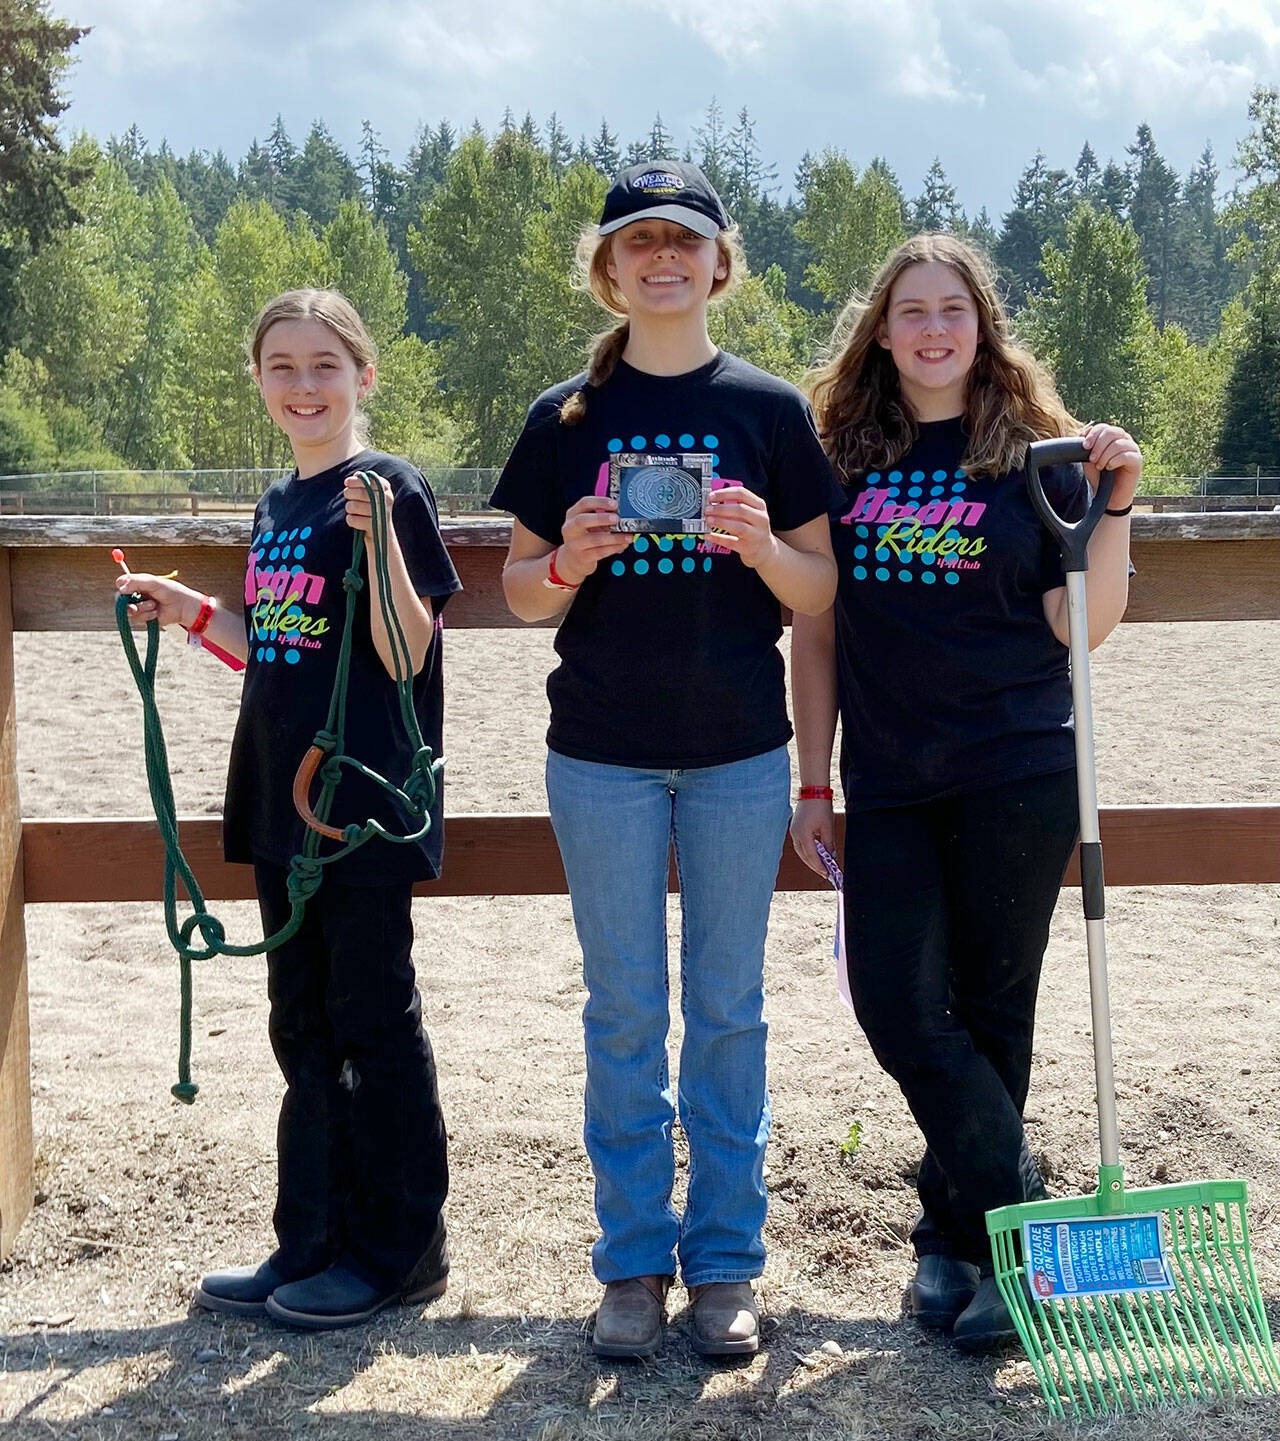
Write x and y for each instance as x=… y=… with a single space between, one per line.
x=664 y=190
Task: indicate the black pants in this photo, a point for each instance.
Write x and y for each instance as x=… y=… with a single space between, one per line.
x=947 y=910
x=361 y=1143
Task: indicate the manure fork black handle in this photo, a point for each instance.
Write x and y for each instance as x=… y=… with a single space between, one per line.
x=1072 y=536
x=1073 y=541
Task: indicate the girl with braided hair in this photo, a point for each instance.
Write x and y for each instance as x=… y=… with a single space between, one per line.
x=667 y=503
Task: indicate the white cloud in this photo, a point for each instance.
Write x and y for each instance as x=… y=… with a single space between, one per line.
x=980 y=83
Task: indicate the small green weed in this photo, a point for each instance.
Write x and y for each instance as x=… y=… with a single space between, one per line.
x=849 y=1146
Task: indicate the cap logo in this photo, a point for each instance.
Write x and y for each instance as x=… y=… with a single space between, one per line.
x=657 y=182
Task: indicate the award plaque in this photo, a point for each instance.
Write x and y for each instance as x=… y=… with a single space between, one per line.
x=661 y=494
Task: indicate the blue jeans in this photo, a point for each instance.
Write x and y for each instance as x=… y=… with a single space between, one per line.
x=615 y=826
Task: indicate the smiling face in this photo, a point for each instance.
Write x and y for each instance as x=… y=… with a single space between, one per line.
x=930 y=327
x=662 y=269
x=312 y=388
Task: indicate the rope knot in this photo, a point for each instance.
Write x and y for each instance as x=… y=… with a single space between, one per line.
x=421 y=785
x=212 y=934
x=324 y=740
x=352 y=579
x=185 y=1091
x=305 y=875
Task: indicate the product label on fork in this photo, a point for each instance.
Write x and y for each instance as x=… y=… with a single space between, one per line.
x=1100 y=1255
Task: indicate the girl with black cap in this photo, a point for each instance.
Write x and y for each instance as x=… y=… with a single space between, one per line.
x=667 y=503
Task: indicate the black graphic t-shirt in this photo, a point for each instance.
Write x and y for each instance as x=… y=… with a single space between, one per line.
x=949 y=676
x=295 y=605
x=668 y=652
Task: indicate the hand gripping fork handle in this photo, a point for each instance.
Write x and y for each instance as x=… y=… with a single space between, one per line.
x=1126 y=1298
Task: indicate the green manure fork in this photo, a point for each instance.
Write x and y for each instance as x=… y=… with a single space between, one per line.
x=1127 y=1298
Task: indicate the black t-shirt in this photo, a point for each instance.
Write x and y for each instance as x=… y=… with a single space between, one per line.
x=668 y=652
x=949 y=676
x=294 y=609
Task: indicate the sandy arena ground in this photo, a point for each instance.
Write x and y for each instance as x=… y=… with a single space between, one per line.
x=137 y=1194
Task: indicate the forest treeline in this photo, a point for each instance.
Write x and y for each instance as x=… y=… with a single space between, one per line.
x=129 y=274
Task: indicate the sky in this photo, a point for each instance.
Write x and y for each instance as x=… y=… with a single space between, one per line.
x=981 y=84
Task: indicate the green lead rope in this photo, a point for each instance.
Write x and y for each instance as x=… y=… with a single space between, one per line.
x=306 y=869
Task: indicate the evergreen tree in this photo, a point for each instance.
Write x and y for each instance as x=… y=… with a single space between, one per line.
x=281 y=149
x=712 y=141
x=207 y=185
x=1088 y=183
x=661 y=143
x=1115 y=191
x=529 y=131
x=425 y=168
x=1041 y=206
x=257 y=176
x=935 y=208
x=605 y=155
x=375 y=174
x=1153 y=198
x=323 y=177
x=636 y=153
x=1200 y=254
x=559 y=146
x=36 y=176
x=1090 y=321
x=128 y=151
x=982 y=233
x=1251 y=409
x=770 y=239
x=1250 y=433
x=747 y=177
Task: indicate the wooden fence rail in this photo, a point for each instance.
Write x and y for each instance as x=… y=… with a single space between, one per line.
x=54 y=574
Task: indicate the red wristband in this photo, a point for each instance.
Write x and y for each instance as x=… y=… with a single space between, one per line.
x=207 y=607
x=816 y=793
x=554 y=579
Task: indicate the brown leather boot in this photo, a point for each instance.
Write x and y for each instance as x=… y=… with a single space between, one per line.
x=629 y=1321
x=726 y=1321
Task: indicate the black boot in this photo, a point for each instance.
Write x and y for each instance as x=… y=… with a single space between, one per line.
x=940 y=1290
x=985 y=1324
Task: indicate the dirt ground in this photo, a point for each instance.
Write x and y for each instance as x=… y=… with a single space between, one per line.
x=137 y=1194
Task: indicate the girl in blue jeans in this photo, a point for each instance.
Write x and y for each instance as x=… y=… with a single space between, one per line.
x=666 y=502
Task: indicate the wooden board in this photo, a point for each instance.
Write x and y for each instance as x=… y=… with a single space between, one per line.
x=1213 y=567
x=512 y=855
x=16 y=1154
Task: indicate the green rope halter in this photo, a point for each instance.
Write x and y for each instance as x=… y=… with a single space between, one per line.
x=306 y=869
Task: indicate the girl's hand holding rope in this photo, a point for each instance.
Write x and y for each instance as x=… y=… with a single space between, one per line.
x=359 y=506
x=163 y=600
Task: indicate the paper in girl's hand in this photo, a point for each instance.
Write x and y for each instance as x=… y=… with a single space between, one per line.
x=836 y=876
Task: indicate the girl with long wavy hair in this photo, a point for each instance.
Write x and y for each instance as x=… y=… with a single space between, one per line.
x=945 y=658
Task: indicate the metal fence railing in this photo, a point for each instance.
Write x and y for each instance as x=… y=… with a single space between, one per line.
x=459 y=490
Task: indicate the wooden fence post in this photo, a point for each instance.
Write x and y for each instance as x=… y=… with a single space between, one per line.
x=16 y=1154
